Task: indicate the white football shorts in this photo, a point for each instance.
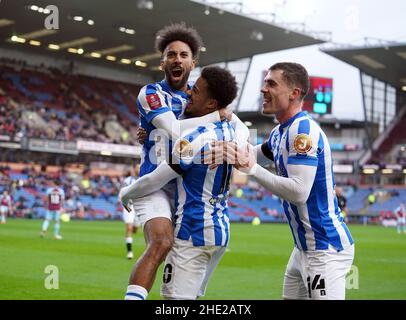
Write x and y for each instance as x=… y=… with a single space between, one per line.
x=317 y=275
x=132 y=218
x=159 y=204
x=188 y=269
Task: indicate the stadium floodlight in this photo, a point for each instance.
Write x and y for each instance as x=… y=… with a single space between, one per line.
x=17 y=39
x=145 y=4
x=34 y=8
x=47 y=11
x=207 y=11
x=139 y=63
x=90 y=22
x=40 y=9
x=403 y=88
x=53 y=46
x=111 y=58
x=203 y=49
x=35 y=43
x=78 y=18
x=95 y=55
x=248 y=123
x=130 y=31
x=72 y=50
x=256 y=35
x=125 y=61
x=80 y=51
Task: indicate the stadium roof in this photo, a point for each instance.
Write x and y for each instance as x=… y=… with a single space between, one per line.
x=326 y=120
x=387 y=63
x=227 y=36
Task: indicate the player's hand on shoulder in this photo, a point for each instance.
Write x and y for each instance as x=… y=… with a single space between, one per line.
x=226 y=113
x=141 y=135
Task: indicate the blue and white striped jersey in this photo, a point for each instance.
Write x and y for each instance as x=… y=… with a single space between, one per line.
x=318 y=223
x=155 y=99
x=201 y=194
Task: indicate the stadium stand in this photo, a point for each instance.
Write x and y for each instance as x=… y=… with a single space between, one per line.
x=40 y=102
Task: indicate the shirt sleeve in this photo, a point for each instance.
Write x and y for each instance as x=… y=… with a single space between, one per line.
x=295 y=189
x=302 y=143
x=177 y=128
x=151 y=102
x=242 y=132
x=148 y=183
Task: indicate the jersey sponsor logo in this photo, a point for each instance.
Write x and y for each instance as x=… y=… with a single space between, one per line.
x=217 y=199
x=153 y=101
x=302 y=143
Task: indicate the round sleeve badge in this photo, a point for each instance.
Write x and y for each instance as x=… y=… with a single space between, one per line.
x=184 y=149
x=302 y=143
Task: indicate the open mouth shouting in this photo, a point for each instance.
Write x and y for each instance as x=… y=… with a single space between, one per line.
x=177 y=74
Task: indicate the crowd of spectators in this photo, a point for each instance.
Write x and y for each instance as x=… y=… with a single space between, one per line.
x=68 y=112
x=74 y=185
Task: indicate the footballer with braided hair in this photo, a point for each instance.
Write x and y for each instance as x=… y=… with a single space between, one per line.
x=161 y=106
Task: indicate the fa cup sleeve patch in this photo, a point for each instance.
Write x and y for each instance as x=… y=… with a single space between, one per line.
x=153 y=101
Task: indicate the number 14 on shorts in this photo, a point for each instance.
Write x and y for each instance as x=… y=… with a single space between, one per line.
x=317 y=283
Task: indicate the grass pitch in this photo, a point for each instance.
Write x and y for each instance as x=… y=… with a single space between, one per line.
x=92 y=265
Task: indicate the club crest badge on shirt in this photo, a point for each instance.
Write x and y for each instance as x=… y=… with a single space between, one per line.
x=302 y=143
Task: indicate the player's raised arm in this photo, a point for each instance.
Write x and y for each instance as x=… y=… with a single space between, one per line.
x=153 y=107
x=176 y=128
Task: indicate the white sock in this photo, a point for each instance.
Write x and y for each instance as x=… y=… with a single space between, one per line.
x=129 y=240
x=135 y=292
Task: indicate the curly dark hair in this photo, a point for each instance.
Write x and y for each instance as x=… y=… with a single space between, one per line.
x=221 y=84
x=179 y=32
x=294 y=74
